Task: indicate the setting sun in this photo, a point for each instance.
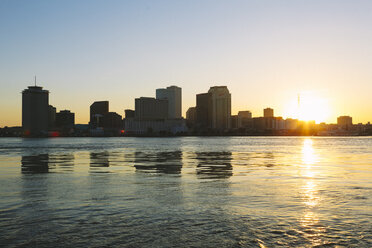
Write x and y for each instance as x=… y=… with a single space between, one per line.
x=308 y=107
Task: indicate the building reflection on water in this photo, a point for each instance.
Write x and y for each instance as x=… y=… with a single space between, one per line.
x=214 y=164
x=99 y=159
x=43 y=163
x=161 y=162
x=35 y=164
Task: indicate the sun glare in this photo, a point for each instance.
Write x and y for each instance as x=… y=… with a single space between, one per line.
x=308 y=107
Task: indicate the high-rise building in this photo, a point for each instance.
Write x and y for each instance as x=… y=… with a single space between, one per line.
x=129 y=113
x=35 y=110
x=345 y=122
x=174 y=96
x=268 y=112
x=52 y=116
x=245 y=114
x=221 y=107
x=65 y=119
x=97 y=112
x=244 y=119
x=148 y=108
x=112 y=120
x=204 y=111
x=191 y=116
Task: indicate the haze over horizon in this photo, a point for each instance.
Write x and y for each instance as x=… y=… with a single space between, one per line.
x=265 y=52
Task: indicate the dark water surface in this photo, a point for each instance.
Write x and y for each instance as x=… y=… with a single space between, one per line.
x=186 y=192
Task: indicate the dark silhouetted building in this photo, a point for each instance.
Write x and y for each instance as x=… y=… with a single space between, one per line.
x=112 y=120
x=191 y=116
x=148 y=108
x=129 y=113
x=213 y=109
x=174 y=96
x=221 y=107
x=204 y=111
x=97 y=112
x=52 y=116
x=244 y=119
x=345 y=122
x=268 y=112
x=35 y=111
x=65 y=119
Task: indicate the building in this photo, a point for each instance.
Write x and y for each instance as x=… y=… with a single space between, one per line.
x=245 y=114
x=191 y=116
x=148 y=108
x=129 y=113
x=174 y=96
x=112 y=120
x=345 y=122
x=65 y=119
x=35 y=111
x=244 y=119
x=221 y=107
x=268 y=112
x=97 y=111
x=52 y=116
x=134 y=126
x=203 y=111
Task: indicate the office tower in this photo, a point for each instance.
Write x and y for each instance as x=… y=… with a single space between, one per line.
x=97 y=111
x=51 y=116
x=345 y=122
x=148 y=108
x=204 y=110
x=245 y=114
x=112 y=120
x=244 y=119
x=174 y=96
x=191 y=116
x=65 y=119
x=35 y=110
x=129 y=113
x=268 y=112
x=221 y=107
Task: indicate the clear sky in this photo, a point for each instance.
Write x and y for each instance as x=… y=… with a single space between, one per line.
x=266 y=52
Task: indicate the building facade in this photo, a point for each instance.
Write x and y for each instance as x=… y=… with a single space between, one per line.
x=97 y=111
x=148 y=108
x=268 y=112
x=174 y=96
x=191 y=116
x=345 y=122
x=65 y=119
x=221 y=107
x=35 y=111
x=204 y=111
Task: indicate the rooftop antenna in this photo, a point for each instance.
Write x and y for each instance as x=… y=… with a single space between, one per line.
x=35 y=80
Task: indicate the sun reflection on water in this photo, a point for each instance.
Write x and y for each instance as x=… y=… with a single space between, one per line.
x=309 y=221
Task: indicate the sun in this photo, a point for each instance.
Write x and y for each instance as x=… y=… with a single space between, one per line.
x=308 y=107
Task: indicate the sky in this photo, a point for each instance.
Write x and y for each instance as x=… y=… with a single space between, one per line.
x=266 y=52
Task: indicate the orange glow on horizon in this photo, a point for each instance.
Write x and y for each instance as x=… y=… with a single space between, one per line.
x=308 y=107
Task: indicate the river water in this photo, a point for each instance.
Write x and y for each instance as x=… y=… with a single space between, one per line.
x=186 y=192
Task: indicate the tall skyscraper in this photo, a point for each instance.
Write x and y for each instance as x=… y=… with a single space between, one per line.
x=345 y=122
x=204 y=111
x=97 y=111
x=191 y=116
x=268 y=112
x=221 y=107
x=35 y=110
x=174 y=96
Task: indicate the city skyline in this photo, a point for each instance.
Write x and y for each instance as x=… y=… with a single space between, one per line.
x=265 y=52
